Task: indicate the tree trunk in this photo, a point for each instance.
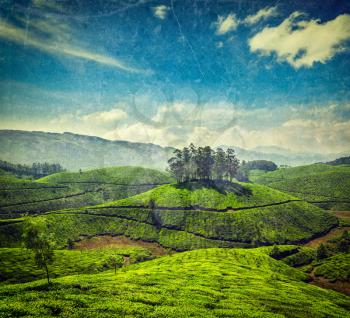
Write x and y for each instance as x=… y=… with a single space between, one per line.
x=47 y=274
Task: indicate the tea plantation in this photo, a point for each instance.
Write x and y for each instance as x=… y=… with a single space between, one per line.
x=202 y=283
x=325 y=185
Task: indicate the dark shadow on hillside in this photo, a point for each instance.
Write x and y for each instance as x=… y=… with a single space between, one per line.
x=222 y=186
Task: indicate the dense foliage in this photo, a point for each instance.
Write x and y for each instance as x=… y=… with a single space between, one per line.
x=264 y=165
x=203 y=163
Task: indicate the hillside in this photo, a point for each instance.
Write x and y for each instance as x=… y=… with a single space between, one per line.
x=115 y=175
x=76 y=152
x=67 y=190
x=325 y=185
x=17 y=264
x=202 y=283
x=191 y=216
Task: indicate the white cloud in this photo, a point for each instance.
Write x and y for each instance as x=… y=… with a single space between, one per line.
x=161 y=11
x=226 y=24
x=141 y=132
x=219 y=44
x=106 y=117
x=301 y=42
x=261 y=15
x=58 y=40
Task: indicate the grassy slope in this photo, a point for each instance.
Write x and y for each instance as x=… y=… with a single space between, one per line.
x=300 y=171
x=66 y=190
x=203 y=283
x=195 y=228
x=17 y=264
x=329 y=185
x=118 y=175
x=235 y=195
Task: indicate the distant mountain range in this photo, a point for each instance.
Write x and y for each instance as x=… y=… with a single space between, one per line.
x=76 y=152
x=283 y=156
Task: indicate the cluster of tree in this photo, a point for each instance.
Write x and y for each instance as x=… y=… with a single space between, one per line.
x=37 y=170
x=203 y=163
x=260 y=165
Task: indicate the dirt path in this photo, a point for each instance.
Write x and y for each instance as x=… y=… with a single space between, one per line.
x=108 y=241
x=323 y=239
x=342 y=287
x=332 y=233
x=342 y=214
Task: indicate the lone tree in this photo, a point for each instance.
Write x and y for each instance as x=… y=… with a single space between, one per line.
x=114 y=262
x=36 y=239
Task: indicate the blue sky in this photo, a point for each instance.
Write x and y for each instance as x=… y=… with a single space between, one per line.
x=244 y=73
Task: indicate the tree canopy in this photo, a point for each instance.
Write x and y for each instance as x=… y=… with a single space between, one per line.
x=265 y=165
x=36 y=238
x=203 y=163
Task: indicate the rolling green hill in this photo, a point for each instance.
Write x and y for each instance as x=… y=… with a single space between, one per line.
x=191 y=216
x=325 y=185
x=67 y=190
x=202 y=283
x=207 y=195
x=116 y=175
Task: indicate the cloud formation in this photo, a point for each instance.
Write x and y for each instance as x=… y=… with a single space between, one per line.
x=161 y=11
x=314 y=129
x=302 y=42
x=261 y=15
x=106 y=117
x=51 y=37
x=317 y=129
x=226 y=24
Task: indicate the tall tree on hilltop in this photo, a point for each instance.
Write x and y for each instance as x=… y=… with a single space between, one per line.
x=208 y=163
x=186 y=156
x=232 y=163
x=203 y=163
x=176 y=165
x=220 y=167
x=193 y=165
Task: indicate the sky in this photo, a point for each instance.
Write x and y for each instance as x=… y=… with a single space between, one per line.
x=250 y=73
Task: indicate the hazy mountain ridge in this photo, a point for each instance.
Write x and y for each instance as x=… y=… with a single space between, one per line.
x=282 y=156
x=74 y=151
